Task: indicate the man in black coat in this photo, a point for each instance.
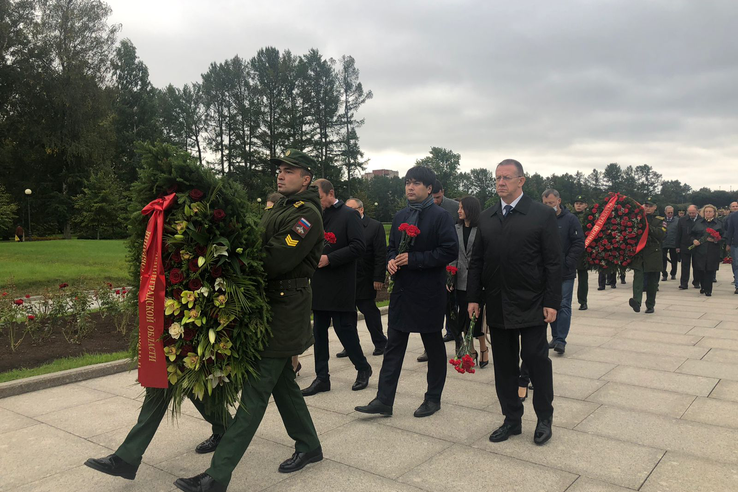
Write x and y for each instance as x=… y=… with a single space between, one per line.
x=684 y=241
x=370 y=273
x=516 y=269
x=418 y=300
x=334 y=289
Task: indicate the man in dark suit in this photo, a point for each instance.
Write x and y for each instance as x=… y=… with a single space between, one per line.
x=516 y=269
x=684 y=241
x=370 y=273
x=334 y=289
x=418 y=300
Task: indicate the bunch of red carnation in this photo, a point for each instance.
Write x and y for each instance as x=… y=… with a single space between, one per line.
x=409 y=229
x=329 y=237
x=465 y=364
x=408 y=233
x=451 y=272
x=615 y=244
x=727 y=260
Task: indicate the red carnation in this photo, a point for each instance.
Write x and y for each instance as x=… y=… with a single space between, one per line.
x=452 y=270
x=64 y=285
x=18 y=302
x=218 y=215
x=117 y=292
x=590 y=217
x=195 y=284
x=216 y=271
x=412 y=231
x=330 y=238
x=403 y=227
x=5 y=294
x=31 y=317
x=196 y=195
x=193 y=266
x=28 y=296
x=175 y=276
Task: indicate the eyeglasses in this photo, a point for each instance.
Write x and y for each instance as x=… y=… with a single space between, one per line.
x=506 y=178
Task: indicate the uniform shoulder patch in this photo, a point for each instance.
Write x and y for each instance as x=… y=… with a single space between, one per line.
x=299 y=204
x=290 y=241
x=302 y=227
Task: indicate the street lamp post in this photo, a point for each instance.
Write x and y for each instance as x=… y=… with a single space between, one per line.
x=28 y=194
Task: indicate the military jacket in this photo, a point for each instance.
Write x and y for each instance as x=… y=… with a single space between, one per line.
x=649 y=259
x=583 y=263
x=293 y=242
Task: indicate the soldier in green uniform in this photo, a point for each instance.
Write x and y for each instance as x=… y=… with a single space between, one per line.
x=293 y=243
x=647 y=263
x=580 y=210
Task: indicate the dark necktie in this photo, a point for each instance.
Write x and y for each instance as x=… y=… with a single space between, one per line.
x=506 y=210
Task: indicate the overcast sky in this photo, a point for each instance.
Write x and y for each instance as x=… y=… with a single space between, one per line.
x=561 y=86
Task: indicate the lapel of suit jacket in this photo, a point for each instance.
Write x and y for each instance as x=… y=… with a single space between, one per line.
x=470 y=242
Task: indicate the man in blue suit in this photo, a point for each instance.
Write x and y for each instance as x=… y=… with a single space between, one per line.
x=418 y=300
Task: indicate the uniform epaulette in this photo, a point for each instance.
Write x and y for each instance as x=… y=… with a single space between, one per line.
x=269 y=207
x=660 y=217
x=299 y=204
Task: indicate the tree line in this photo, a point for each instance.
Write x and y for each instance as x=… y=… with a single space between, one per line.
x=75 y=102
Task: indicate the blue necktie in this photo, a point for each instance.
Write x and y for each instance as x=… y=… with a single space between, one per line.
x=506 y=210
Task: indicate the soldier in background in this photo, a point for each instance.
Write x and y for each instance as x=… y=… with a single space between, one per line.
x=580 y=210
x=647 y=263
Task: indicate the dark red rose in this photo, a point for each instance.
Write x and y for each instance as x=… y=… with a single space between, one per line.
x=168 y=340
x=167 y=265
x=188 y=334
x=175 y=276
x=196 y=194
x=220 y=356
x=176 y=257
x=193 y=265
x=195 y=284
x=216 y=271
x=172 y=189
x=218 y=215
x=201 y=250
x=168 y=322
x=177 y=293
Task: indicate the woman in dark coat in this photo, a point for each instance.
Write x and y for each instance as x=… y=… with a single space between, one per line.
x=706 y=253
x=466 y=230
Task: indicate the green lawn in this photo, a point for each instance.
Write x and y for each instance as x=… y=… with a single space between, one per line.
x=35 y=266
x=62 y=365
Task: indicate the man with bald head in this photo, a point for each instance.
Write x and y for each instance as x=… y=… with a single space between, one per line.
x=669 y=246
x=684 y=240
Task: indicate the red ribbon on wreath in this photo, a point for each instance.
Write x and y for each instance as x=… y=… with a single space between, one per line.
x=152 y=367
x=644 y=236
x=601 y=220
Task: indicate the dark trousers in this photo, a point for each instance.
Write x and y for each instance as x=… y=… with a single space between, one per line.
x=686 y=262
x=582 y=286
x=648 y=281
x=394 y=355
x=705 y=279
x=607 y=278
x=673 y=258
x=373 y=318
x=276 y=378
x=152 y=412
x=344 y=322
x=532 y=345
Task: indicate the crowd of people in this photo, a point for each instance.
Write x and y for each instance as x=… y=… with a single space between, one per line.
x=514 y=268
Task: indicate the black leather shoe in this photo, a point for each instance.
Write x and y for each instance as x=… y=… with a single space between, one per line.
x=200 y=483
x=113 y=465
x=342 y=354
x=702 y=291
x=505 y=431
x=583 y=307
x=708 y=294
x=378 y=351
x=636 y=306
x=559 y=348
x=448 y=338
x=736 y=291
x=551 y=344
x=423 y=357
x=614 y=286
x=664 y=278
x=362 y=380
x=317 y=386
x=649 y=310
x=673 y=277
x=209 y=444
x=543 y=432
x=298 y=461
x=683 y=287
x=600 y=288
x=375 y=407
x=427 y=408
x=622 y=280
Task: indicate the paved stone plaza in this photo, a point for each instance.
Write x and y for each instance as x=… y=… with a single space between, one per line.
x=643 y=402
